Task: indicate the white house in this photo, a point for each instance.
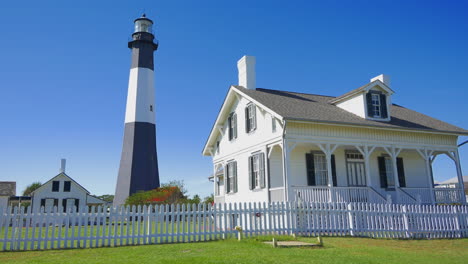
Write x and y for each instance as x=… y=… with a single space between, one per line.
x=271 y=145
x=62 y=192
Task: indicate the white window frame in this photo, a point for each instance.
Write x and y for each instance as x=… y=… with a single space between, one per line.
x=230 y=177
x=273 y=124
x=389 y=173
x=376 y=106
x=251 y=117
x=320 y=169
x=256 y=170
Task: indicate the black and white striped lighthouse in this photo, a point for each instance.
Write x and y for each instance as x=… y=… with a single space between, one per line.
x=139 y=162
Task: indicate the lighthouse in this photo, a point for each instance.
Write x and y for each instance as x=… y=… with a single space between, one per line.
x=139 y=162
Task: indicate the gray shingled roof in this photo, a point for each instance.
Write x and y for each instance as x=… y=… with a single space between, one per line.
x=311 y=107
x=7 y=188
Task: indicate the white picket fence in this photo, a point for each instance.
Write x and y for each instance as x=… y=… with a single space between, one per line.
x=22 y=229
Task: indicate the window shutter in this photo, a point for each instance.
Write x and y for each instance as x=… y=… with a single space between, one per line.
x=401 y=172
x=254 y=117
x=226 y=178
x=251 y=185
x=382 y=172
x=333 y=167
x=247 y=123
x=383 y=106
x=262 y=170
x=310 y=169
x=230 y=127
x=55 y=202
x=234 y=120
x=370 y=110
x=42 y=202
x=234 y=169
x=64 y=205
x=77 y=204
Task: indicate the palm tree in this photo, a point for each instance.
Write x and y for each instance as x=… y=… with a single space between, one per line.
x=31 y=188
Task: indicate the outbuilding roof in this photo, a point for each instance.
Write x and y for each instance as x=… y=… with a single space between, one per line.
x=7 y=188
x=318 y=108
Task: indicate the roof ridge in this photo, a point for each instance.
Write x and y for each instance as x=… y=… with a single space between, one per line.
x=294 y=92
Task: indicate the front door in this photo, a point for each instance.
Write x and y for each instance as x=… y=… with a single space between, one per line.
x=355 y=169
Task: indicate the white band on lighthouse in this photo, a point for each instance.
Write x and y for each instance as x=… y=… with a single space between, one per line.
x=140 y=98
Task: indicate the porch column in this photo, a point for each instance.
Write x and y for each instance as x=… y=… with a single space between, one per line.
x=287 y=148
x=427 y=156
x=460 y=177
x=394 y=152
x=456 y=158
x=366 y=151
x=328 y=150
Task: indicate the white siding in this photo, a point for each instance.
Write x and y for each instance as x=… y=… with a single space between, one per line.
x=243 y=146
x=355 y=105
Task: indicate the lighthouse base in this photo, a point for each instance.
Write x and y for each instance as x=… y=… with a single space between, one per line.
x=139 y=162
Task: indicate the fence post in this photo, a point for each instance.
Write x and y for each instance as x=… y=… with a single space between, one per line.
x=457 y=221
x=405 y=221
x=350 y=219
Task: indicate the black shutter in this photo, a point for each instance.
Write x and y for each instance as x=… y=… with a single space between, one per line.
x=234 y=172
x=383 y=106
x=42 y=202
x=64 y=205
x=55 y=202
x=77 y=204
x=370 y=110
x=247 y=123
x=382 y=172
x=310 y=169
x=251 y=183
x=401 y=172
x=333 y=167
x=230 y=127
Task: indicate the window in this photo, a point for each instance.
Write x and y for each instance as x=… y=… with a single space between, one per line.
x=55 y=186
x=217 y=147
x=66 y=186
x=388 y=176
x=151 y=108
x=389 y=173
x=250 y=118
x=376 y=105
x=321 y=170
x=355 y=168
x=257 y=171
x=231 y=177
x=273 y=124
x=232 y=126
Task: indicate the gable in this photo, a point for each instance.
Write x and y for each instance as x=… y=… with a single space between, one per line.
x=47 y=186
x=234 y=95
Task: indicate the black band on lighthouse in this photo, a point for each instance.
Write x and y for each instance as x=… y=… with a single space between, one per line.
x=142 y=47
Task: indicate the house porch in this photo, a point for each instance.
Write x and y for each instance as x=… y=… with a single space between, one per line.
x=375 y=173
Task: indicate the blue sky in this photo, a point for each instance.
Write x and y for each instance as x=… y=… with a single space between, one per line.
x=64 y=73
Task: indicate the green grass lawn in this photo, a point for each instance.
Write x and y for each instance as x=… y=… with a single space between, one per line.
x=335 y=250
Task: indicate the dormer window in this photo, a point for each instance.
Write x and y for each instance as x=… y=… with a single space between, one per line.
x=376 y=105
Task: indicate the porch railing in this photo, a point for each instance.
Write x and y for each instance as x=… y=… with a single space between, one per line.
x=337 y=194
x=441 y=195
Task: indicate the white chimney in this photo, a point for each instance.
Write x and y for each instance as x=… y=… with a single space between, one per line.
x=63 y=163
x=246 y=67
x=383 y=78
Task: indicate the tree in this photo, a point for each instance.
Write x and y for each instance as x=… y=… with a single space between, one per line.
x=209 y=199
x=31 y=188
x=196 y=199
x=176 y=183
